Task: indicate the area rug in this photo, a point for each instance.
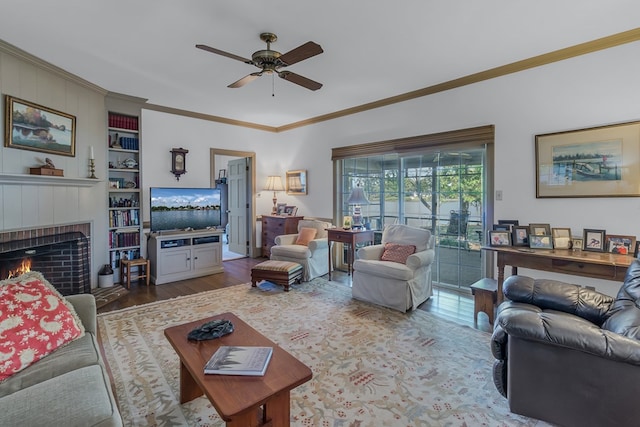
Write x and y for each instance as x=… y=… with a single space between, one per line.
x=108 y=295
x=371 y=366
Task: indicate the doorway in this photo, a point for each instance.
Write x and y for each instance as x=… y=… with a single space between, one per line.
x=234 y=171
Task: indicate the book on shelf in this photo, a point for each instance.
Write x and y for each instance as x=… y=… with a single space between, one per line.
x=239 y=360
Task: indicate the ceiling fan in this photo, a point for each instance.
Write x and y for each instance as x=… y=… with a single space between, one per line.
x=269 y=61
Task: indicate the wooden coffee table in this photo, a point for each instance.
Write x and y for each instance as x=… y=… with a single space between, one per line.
x=241 y=401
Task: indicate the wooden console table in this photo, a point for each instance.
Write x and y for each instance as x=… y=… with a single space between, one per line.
x=599 y=265
x=348 y=237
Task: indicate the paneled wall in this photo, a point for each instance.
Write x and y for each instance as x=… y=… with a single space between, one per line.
x=25 y=204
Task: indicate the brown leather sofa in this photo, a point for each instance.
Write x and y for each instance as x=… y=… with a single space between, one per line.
x=569 y=355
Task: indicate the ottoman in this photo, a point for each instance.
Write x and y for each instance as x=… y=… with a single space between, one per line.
x=282 y=273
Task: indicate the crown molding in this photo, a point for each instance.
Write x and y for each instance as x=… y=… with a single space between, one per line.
x=40 y=63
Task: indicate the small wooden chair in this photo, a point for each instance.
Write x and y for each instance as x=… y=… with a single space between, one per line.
x=127 y=264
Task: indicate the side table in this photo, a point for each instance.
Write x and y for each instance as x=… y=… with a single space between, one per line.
x=125 y=270
x=348 y=237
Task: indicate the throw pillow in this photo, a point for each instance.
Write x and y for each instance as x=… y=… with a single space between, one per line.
x=35 y=320
x=305 y=235
x=395 y=252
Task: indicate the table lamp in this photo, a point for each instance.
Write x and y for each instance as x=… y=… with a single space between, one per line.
x=357 y=198
x=274 y=183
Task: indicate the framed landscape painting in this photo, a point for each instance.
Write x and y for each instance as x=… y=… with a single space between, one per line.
x=30 y=126
x=595 y=162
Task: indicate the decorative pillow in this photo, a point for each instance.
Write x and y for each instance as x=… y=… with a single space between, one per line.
x=397 y=253
x=305 y=235
x=35 y=320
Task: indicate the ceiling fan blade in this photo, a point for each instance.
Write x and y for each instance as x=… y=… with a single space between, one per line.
x=223 y=53
x=243 y=81
x=300 y=80
x=302 y=52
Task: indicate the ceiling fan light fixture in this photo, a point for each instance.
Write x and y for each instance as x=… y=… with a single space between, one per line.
x=270 y=61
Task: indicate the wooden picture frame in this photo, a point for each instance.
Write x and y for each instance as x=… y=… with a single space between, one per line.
x=594 y=240
x=600 y=161
x=33 y=127
x=499 y=238
x=540 y=229
x=520 y=235
x=620 y=244
x=540 y=241
x=280 y=208
x=296 y=182
x=577 y=243
x=561 y=238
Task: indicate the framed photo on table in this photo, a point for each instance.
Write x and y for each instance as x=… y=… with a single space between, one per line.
x=540 y=241
x=561 y=238
x=577 y=243
x=623 y=245
x=280 y=208
x=520 y=235
x=593 y=162
x=540 y=229
x=594 y=240
x=499 y=238
x=290 y=210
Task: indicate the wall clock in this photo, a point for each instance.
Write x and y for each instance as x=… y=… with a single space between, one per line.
x=178 y=161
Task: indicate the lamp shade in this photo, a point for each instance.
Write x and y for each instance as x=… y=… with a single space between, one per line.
x=358 y=197
x=274 y=183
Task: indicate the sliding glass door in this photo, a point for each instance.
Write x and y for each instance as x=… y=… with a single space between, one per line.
x=440 y=190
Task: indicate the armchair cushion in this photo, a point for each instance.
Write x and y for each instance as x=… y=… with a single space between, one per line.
x=560 y=296
x=305 y=235
x=395 y=252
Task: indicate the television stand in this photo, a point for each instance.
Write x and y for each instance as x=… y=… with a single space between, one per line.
x=180 y=255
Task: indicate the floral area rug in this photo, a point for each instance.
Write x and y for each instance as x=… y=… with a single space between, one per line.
x=371 y=366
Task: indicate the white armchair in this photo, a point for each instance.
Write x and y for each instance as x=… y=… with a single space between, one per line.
x=314 y=256
x=394 y=284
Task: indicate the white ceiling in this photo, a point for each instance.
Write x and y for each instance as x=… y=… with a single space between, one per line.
x=372 y=49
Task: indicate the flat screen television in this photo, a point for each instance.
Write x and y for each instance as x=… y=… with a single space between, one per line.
x=182 y=208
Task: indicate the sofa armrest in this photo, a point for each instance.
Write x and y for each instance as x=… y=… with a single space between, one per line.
x=318 y=244
x=420 y=259
x=286 y=239
x=560 y=296
x=85 y=307
x=568 y=331
x=373 y=252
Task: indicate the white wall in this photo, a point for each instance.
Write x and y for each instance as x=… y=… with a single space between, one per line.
x=596 y=89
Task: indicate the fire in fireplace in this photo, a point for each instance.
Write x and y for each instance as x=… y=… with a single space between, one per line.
x=63 y=259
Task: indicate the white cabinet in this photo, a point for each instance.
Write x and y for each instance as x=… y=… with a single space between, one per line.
x=184 y=255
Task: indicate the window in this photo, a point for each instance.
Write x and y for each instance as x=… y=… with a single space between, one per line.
x=437 y=188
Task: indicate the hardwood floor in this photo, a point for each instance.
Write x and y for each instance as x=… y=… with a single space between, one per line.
x=444 y=303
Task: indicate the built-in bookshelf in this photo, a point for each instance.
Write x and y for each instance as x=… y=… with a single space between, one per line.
x=125 y=216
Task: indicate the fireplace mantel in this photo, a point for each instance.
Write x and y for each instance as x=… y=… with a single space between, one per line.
x=25 y=179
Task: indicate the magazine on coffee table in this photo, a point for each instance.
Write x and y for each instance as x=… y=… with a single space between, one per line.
x=239 y=360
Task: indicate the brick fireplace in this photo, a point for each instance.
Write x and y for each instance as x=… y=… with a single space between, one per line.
x=62 y=254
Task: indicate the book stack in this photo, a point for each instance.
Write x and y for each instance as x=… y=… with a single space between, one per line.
x=123 y=122
x=239 y=360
